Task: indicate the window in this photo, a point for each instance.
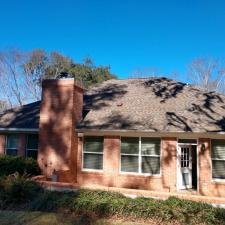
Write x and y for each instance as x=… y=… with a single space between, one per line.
x=218 y=159
x=32 y=145
x=93 y=153
x=140 y=155
x=12 y=144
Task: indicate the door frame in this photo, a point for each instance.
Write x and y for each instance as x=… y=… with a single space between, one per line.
x=197 y=161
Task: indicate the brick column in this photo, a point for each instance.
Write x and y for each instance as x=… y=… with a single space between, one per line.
x=61 y=109
x=2 y=144
x=111 y=160
x=169 y=163
x=205 y=171
x=22 y=145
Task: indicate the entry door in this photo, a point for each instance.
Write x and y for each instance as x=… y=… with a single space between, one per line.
x=184 y=167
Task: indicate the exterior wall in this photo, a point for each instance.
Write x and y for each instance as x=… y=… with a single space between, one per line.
x=165 y=182
x=2 y=144
x=111 y=176
x=21 y=144
x=208 y=186
x=61 y=108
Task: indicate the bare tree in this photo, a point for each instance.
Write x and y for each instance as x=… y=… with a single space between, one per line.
x=10 y=74
x=208 y=74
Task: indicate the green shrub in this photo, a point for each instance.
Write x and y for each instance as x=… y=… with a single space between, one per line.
x=21 y=165
x=17 y=188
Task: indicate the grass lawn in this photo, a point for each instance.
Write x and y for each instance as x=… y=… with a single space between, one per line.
x=43 y=218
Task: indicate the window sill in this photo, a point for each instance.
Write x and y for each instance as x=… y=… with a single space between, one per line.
x=92 y=171
x=218 y=180
x=140 y=174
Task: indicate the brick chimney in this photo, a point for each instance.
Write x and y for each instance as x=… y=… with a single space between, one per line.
x=61 y=109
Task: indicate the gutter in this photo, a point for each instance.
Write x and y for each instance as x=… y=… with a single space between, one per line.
x=19 y=130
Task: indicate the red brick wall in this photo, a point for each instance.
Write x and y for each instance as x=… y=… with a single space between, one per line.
x=62 y=104
x=22 y=145
x=206 y=184
x=2 y=144
x=111 y=176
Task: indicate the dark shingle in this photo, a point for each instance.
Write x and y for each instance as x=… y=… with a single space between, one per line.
x=153 y=104
x=26 y=116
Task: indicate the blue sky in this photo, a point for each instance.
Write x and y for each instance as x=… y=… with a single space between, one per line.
x=126 y=35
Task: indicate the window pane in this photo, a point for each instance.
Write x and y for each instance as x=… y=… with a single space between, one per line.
x=130 y=145
x=218 y=149
x=150 y=165
x=150 y=146
x=218 y=169
x=129 y=163
x=32 y=141
x=185 y=179
x=93 y=144
x=32 y=154
x=93 y=161
x=12 y=152
x=12 y=141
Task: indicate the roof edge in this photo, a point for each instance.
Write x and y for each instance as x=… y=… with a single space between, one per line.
x=148 y=131
x=19 y=129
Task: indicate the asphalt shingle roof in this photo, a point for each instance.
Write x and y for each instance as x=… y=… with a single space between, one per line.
x=154 y=104
x=151 y=104
x=24 y=117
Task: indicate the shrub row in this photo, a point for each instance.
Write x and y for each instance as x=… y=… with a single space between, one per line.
x=18 y=190
x=21 y=165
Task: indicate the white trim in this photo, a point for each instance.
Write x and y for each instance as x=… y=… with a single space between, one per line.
x=82 y=159
x=168 y=133
x=6 y=143
x=217 y=180
x=139 y=155
x=19 y=129
x=198 y=166
x=197 y=161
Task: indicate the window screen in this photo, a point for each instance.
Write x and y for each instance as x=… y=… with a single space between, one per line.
x=12 y=144
x=93 y=153
x=140 y=155
x=218 y=159
x=32 y=145
x=150 y=155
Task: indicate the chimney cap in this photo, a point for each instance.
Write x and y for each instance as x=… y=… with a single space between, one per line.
x=64 y=75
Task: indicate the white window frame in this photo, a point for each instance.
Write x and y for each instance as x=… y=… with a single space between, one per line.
x=29 y=149
x=100 y=153
x=6 y=146
x=139 y=173
x=222 y=180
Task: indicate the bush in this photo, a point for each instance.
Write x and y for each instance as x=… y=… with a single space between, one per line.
x=11 y=164
x=17 y=188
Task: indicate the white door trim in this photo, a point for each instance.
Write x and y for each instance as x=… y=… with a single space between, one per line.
x=187 y=169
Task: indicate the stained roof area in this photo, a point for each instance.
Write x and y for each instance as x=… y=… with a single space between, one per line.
x=151 y=104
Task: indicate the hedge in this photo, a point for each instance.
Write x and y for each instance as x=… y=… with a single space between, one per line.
x=21 y=165
x=17 y=191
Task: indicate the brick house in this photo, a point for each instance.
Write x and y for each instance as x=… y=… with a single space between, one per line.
x=150 y=134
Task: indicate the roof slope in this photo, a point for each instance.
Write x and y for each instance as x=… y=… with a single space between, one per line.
x=24 y=117
x=153 y=104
